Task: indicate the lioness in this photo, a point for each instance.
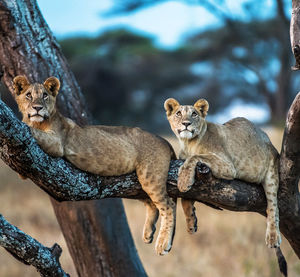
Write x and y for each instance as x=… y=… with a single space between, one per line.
x=236 y=149
x=103 y=150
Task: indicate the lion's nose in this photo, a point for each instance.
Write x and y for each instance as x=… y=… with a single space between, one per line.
x=37 y=108
x=186 y=123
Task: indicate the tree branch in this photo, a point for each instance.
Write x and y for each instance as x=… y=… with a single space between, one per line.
x=290 y=152
x=30 y=251
x=64 y=182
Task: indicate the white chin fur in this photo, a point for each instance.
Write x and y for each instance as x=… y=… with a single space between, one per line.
x=186 y=135
x=36 y=119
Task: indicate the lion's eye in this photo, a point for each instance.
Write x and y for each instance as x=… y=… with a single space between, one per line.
x=178 y=113
x=194 y=114
x=45 y=95
x=28 y=96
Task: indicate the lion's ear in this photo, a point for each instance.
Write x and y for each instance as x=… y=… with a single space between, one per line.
x=202 y=107
x=171 y=105
x=20 y=84
x=52 y=84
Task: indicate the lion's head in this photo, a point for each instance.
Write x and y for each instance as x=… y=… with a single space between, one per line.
x=186 y=121
x=36 y=101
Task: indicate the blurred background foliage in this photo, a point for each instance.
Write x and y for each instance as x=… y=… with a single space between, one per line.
x=126 y=77
x=246 y=58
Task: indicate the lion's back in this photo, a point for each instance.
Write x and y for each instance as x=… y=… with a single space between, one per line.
x=250 y=149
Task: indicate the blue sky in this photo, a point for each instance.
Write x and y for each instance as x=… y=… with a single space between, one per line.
x=166 y=22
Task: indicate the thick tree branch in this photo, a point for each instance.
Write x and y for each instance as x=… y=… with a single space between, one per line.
x=64 y=182
x=289 y=173
x=290 y=152
x=31 y=252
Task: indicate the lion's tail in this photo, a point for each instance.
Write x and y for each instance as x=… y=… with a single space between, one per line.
x=281 y=262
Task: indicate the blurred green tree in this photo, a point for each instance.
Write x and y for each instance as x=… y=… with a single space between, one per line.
x=248 y=57
x=245 y=57
x=123 y=71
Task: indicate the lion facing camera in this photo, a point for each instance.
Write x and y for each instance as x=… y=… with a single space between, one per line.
x=235 y=150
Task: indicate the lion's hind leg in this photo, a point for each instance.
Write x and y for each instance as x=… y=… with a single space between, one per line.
x=150 y=222
x=271 y=184
x=153 y=178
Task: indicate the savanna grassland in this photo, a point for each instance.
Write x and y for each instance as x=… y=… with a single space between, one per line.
x=227 y=244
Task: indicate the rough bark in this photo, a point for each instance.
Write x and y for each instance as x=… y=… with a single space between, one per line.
x=29 y=251
x=63 y=181
x=295 y=33
x=290 y=154
x=289 y=170
x=28 y=47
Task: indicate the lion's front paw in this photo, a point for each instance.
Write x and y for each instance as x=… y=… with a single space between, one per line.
x=186 y=179
x=163 y=244
x=273 y=238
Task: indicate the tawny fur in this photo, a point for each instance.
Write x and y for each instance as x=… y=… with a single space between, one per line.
x=103 y=150
x=236 y=149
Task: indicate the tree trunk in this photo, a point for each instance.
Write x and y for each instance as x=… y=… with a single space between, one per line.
x=284 y=76
x=97 y=233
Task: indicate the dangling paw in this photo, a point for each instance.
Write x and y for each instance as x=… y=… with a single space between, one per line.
x=273 y=238
x=163 y=243
x=148 y=233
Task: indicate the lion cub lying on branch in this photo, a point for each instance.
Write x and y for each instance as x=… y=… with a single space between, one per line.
x=103 y=150
x=236 y=149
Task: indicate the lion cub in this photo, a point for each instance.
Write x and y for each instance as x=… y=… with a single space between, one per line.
x=103 y=150
x=236 y=149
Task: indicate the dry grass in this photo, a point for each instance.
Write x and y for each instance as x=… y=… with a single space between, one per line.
x=23 y=204
x=226 y=244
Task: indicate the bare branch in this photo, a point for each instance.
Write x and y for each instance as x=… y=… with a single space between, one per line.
x=30 y=251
